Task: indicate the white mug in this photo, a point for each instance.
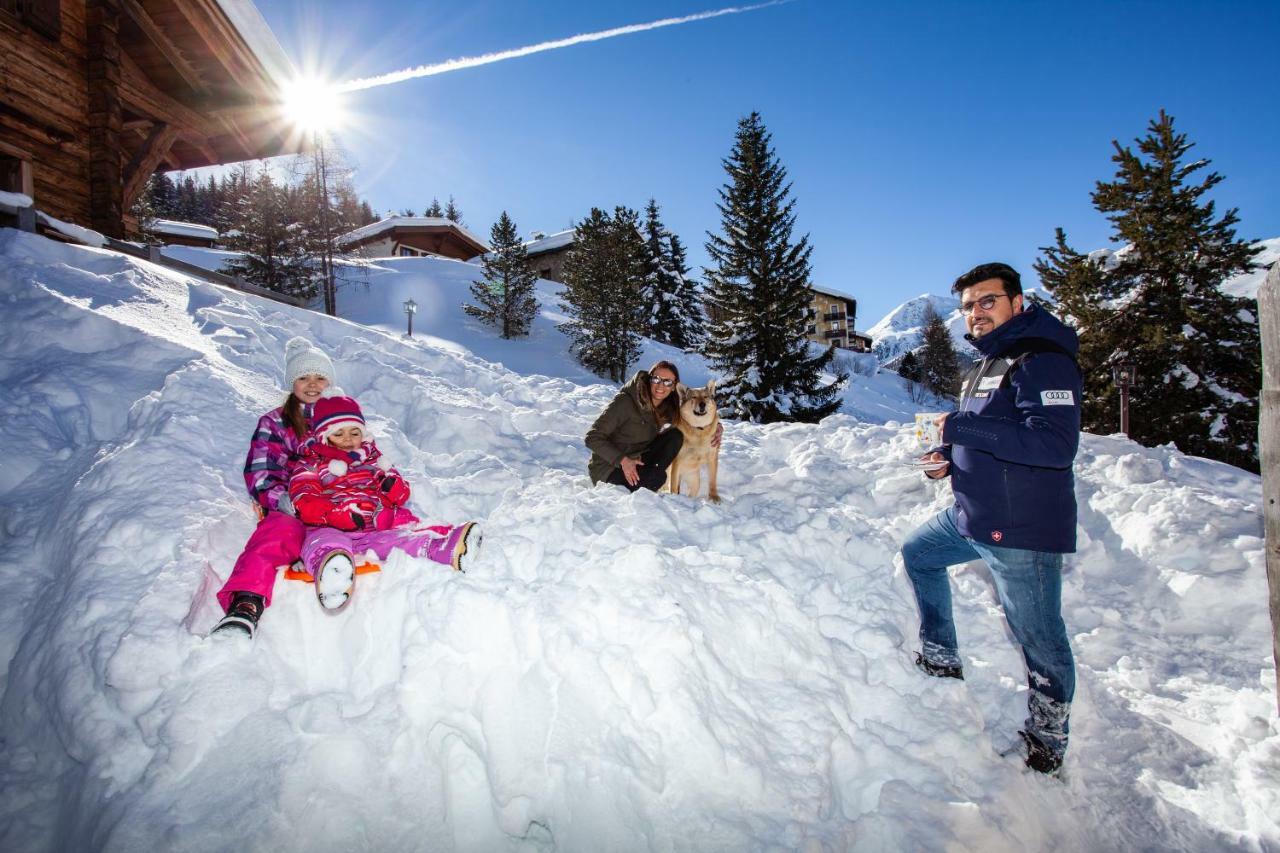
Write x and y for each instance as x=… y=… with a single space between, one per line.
x=927 y=432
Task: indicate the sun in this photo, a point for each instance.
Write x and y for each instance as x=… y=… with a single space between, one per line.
x=312 y=105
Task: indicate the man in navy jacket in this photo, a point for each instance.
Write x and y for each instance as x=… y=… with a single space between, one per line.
x=1008 y=449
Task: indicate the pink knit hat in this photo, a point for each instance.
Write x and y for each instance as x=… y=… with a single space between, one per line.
x=334 y=413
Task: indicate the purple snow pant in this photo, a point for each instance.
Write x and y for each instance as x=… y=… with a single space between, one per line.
x=276 y=542
x=437 y=542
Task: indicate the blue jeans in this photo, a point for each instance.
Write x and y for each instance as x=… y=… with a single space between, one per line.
x=1029 y=584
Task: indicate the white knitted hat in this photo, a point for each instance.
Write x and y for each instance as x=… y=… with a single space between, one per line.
x=301 y=358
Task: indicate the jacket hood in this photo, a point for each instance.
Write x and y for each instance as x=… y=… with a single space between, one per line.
x=1033 y=322
x=634 y=387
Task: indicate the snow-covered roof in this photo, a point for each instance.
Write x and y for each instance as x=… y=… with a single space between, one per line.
x=184 y=229
x=374 y=229
x=831 y=291
x=248 y=21
x=549 y=243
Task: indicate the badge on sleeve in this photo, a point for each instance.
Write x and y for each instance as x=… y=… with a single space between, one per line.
x=1057 y=398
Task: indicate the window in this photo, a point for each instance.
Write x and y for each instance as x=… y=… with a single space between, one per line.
x=15 y=170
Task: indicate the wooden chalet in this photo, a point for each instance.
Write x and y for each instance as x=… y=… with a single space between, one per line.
x=97 y=95
x=413 y=236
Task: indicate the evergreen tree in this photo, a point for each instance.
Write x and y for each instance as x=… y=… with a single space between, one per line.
x=604 y=276
x=434 y=210
x=1158 y=305
x=912 y=376
x=759 y=292
x=939 y=364
x=666 y=287
x=505 y=294
x=143 y=211
x=452 y=213
x=693 y=320
x=274 y=252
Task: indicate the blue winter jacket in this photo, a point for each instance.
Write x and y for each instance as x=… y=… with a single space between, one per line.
x=1014 y=438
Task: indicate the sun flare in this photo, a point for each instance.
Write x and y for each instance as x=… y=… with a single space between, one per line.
x=313 y=105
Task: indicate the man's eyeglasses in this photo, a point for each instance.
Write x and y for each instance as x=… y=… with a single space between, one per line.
x=986 y=303
x=665 y=383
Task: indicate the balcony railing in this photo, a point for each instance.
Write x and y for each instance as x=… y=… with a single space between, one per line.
x=834 y=315
x=834 y=333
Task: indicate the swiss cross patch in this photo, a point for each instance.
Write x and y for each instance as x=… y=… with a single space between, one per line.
x=996 y=536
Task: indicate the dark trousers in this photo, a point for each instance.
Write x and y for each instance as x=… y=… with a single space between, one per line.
x=657 y=458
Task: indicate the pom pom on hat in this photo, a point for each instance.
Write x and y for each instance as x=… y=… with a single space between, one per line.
x=332 y=413
x=301 y=358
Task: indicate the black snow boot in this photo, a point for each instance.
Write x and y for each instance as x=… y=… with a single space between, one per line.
x=1041 y=758
x=938 y=670
x=246 y=608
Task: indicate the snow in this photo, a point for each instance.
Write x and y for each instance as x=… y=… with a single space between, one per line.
x=1247 y=285
x=248 y=21
x=618 y=672
x=184 y=229
x=13 y=202
x=78 y=233
x=383 y=225
x=549 y=243
x=902 y=329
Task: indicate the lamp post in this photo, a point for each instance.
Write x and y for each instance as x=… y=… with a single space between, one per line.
x=410 y=308
x=1125 y=376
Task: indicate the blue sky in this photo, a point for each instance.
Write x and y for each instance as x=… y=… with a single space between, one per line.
x=921 y=138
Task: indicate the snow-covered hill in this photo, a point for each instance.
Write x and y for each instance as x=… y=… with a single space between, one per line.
x=619 y=672
x=902 y=329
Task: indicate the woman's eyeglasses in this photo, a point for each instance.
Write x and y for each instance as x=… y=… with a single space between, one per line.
x=986 y=303
x=665 y=383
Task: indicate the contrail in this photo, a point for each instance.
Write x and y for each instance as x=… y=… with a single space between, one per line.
x=488 y=58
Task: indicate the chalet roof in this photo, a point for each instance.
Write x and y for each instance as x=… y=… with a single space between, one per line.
x=184 y=229
x=832 y=292
x=549 y=243
x=410 y=224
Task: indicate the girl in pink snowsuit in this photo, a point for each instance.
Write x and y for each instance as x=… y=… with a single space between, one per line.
x=277 y=540
x=342 y=484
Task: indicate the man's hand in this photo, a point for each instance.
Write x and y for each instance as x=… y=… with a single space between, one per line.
x=630 y=470
x=935 y=456
x=715 y=439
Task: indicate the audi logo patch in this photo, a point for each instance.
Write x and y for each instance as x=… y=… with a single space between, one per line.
x=1057 y=398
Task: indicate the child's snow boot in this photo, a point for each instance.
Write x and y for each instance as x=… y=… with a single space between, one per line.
x=242 y=616
x=335 y=581
x=938 y=670
x=466 y=549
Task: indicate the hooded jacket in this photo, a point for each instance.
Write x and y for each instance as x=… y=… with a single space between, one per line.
x=625 y=428
x=1015 y=436
x=324 y=479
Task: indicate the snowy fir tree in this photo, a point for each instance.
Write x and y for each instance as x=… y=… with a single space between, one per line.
x=143 y=211
x=759 y=294
x=604 y=280
x=435 y=210
x=673 y=317
x=272 y=242
x=1157 y=304
x=504 y=297
x=939 y=364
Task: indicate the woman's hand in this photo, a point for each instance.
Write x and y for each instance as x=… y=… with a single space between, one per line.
x=630 y=469
x=715 y=439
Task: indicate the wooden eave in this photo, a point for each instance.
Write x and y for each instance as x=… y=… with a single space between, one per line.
x=440 y=232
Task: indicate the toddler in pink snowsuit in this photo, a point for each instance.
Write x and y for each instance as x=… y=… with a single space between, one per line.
x=343 y=487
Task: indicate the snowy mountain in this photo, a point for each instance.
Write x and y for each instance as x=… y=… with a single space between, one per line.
x=902 y=329
x=618 y=672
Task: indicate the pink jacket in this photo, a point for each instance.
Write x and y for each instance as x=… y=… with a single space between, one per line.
x=266 y=468
x=349 y=491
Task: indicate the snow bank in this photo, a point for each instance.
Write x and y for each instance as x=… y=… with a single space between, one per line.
x=618 y=672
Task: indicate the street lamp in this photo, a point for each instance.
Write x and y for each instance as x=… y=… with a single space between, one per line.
x=410 y=308
x=1125 y=376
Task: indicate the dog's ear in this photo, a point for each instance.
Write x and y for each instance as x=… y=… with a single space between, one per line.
x=711 y=387
x=682 y=390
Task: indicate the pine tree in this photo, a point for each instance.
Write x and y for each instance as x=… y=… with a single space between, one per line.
x=143 y=211
x=939 y=364
x=505 y=295
x=1158 y=305
x=674 y=318
x=759 y=290
x=434 y=210
x=273 y=251
x=604 y=277
x=452 y=213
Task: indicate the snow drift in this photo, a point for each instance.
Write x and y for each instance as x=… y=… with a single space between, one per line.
x=620 y=672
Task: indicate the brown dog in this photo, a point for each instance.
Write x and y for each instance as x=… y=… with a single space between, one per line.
x=699 y=423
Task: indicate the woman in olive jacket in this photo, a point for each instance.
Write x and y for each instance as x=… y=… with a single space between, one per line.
x=632 y=442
